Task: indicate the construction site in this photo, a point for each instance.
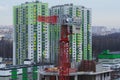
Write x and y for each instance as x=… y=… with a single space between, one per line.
x=47 y=71
x=86 y=69
x=53 y=44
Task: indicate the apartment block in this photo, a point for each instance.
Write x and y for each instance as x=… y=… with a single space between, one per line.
x=31 y=38
x=39 y=41
x=80 y=42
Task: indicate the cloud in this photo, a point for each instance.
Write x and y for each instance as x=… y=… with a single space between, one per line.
x=3 y=8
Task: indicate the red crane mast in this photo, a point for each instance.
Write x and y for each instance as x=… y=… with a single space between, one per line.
x=64 y=61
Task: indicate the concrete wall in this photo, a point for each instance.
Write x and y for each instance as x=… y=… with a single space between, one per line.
x=102 y=76
x=105 y=76
x=109 y=61
x=19 y=77
x=4 y=78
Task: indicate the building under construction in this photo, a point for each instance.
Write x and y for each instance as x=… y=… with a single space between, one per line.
x=47 y=71
x=87 y=70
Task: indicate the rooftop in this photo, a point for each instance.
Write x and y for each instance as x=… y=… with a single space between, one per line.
x=109 y=55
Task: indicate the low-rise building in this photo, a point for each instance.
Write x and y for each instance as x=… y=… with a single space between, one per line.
x=110 y=58
x=21 y=72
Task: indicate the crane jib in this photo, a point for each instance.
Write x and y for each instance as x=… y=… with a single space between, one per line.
x=47 y=19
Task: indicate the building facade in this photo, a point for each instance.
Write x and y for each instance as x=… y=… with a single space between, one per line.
x=81 y=42
x=109 y=58
x=39 y=41
x=31 y=38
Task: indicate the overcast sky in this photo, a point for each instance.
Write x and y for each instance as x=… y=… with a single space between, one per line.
x=104 y=12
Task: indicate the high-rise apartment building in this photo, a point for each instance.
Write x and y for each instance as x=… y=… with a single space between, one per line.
x=80 y=42
x=31 y=38
x=39 y=41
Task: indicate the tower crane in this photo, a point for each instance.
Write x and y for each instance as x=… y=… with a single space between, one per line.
x=65 y=22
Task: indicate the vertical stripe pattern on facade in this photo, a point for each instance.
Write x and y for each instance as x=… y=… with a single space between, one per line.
x=31 y=38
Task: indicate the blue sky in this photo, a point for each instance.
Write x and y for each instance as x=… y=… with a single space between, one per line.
x=104 y=12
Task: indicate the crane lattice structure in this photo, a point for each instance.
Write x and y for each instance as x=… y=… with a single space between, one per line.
x=64 y=60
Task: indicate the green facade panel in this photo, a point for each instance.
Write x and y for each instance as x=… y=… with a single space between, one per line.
x=14 y=74
x=35 y=73
x=107 y=55
x=24 y=74
x=78 y=41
